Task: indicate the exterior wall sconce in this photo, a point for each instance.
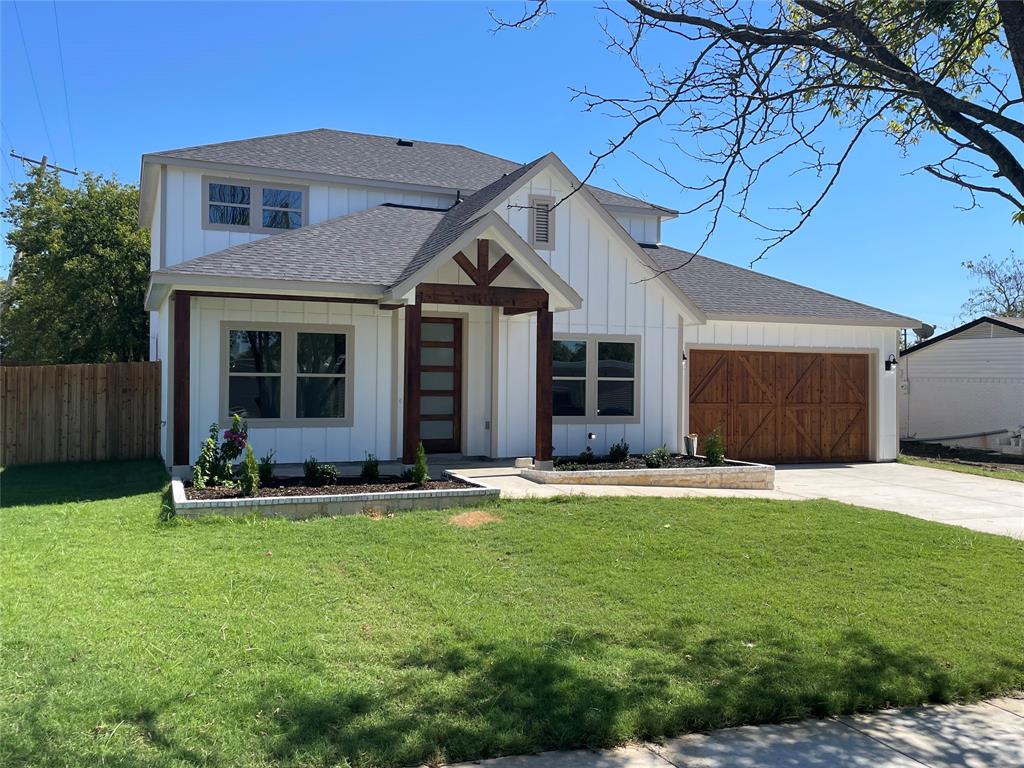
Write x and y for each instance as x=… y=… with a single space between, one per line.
x=891 y=363
x=591 y=436
x=683 y=360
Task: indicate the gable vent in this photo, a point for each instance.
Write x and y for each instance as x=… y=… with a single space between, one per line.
x=541 y=221
x=404 y=143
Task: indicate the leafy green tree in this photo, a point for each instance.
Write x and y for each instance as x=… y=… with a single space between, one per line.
x=78 y=279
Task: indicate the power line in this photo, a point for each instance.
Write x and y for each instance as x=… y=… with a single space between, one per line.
x=32 y=74
x=64 y=79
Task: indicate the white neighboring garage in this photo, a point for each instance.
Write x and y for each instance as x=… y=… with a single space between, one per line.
x=966 y=387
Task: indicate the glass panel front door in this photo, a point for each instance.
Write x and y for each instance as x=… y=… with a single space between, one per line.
x=441 y=384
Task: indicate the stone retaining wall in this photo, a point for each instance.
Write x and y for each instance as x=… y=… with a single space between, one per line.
x=303 y=507
x=734 y=474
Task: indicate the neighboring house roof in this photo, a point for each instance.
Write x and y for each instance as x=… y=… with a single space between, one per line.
x=377 y=158
x=1012 y=324
x=725 y=291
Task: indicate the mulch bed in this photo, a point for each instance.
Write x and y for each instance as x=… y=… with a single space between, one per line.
x=295 y=486
x=569 y=464
x=975 y=457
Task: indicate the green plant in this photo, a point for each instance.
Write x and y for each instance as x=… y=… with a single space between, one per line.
x=619 y=451
x=658 y=457
x=266 y=468
x=418 y=473
x=235 y=439
x=210 y=468
x=714 y=448
x=587 y=456
x=249 y=473
x=371 y=468
x=318 y=473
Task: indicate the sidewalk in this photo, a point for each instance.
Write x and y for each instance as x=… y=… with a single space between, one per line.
x=986 y=735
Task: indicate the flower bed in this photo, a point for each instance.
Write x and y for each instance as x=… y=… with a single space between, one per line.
x=675 y=472
x=630 y=462
x=345 y=486
x=343 y=498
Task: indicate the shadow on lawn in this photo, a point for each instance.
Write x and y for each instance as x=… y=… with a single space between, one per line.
x=86 y=481
x=467 y=702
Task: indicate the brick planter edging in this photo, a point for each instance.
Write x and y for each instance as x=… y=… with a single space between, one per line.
x=735 y=474
x=333 y=505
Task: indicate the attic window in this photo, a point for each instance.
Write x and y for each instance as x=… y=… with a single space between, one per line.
x=542 y=222
x=252 y=206
x=404 y=143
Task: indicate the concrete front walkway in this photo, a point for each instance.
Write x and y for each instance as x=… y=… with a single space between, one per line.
x=983 y=735
x=980 y=503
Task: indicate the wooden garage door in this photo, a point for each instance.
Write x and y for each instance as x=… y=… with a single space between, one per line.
x=782 y=406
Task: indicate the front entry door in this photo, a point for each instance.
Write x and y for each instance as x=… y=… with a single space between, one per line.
x=441 y=384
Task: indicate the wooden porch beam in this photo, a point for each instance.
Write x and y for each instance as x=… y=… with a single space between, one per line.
x=411 y=428
x=544 y=405
x=482 y=296
x=278 y=297
x=180 y=378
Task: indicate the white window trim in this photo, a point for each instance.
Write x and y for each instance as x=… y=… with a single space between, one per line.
x=289 y=372
x=591 y=415
x=255 y=206
x=549 y=244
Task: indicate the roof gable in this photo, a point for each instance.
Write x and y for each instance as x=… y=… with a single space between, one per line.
x=1009 y=327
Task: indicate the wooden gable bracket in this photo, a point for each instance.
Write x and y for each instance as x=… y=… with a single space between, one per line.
x=482 y=273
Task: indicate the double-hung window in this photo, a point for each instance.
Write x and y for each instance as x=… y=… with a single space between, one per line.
x=595 y=379
x=253 y=206
x=287 y=375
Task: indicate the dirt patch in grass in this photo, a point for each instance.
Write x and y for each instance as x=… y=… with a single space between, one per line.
x=473 y=519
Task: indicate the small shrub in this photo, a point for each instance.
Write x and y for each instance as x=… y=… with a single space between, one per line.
x=418 y=473
x=317 y=473
x=266 y=468
x=619 y=451
x=210 y=468
x=371 y=468
x=714 y=447
x=657 y=458
x=249 y=474
x=587 y=456
x=235 y=439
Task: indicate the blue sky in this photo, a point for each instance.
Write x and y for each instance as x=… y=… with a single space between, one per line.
x=149 y=76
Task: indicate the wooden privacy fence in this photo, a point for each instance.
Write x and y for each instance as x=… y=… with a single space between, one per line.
x=84 y=412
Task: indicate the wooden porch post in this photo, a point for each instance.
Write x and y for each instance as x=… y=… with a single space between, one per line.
x=411 y=428
x=544 y=404
x=180 y=377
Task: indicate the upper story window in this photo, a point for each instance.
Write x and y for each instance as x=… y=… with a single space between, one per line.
x=542 y=222
x=253 y=206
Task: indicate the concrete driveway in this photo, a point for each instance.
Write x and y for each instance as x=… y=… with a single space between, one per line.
x=979 y=503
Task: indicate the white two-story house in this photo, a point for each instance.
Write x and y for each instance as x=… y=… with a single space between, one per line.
x=353 y=294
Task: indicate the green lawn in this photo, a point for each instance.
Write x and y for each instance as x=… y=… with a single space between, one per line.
x=967 y=469
x=130 y=642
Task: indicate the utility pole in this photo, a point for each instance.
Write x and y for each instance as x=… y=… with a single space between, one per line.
x=43 y=163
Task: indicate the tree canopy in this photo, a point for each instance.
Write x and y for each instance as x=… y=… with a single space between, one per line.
x=1001 y=292
x=77 y=283
x=756 y=83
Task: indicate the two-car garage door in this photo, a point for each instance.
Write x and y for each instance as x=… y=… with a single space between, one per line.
x=782 y=406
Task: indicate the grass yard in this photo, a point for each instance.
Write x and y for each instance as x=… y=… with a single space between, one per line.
x=567 y=623
x=967 y=469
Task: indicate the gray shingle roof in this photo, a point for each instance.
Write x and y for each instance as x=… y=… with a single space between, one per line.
x=720 y=288
x=371 y=247
x=460 y=217
x=363 y=156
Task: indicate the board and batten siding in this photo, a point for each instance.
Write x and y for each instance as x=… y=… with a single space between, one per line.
x=643 y=229
x=373 y=383
x=185 y=238
x=618 y=298
x=964 y=385
x=794 y=337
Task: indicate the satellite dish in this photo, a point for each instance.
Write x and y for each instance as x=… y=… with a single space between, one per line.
x=924 y=332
